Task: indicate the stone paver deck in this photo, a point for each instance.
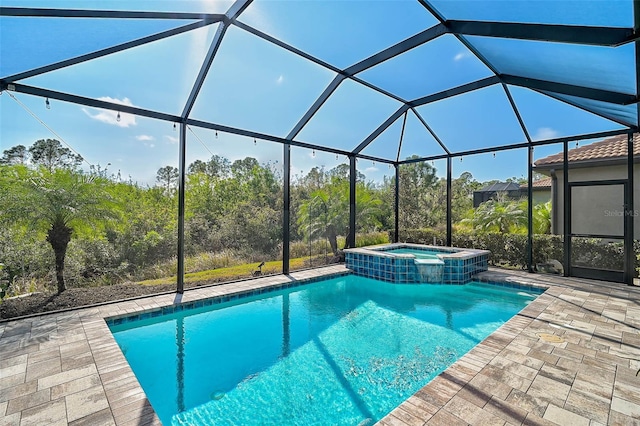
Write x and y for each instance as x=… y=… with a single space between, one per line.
x=570 y=358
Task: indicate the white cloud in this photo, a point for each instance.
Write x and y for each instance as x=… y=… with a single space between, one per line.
x=460 y=56
x=172 y=139
x=144 y=138
x=544 y=133
x=280 y=79
x=371 y=169
x=111 y=117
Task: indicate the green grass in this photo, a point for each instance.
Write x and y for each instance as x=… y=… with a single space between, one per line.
x=216 y=273
x=229 y=273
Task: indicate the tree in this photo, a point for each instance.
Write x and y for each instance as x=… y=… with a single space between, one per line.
x=315 y=179
x=326 y=213
x=542 y=218
x=52 y=155
x=167 y=177
x=241 y=169
x=462 y=196
x=493 y=216
x=15 y=155
x=60 y=201
x=343 y=171
x=420 y=203
x=217 y=166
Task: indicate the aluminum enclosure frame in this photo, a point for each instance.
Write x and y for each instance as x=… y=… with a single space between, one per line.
x=586 y=35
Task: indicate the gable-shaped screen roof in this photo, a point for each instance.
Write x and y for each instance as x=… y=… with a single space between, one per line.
x=468 y=76
x=500 y=186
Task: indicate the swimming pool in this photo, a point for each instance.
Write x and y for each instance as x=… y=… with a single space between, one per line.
x=345 y=350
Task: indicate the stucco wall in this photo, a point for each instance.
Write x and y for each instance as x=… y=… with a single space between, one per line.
x=541 y=196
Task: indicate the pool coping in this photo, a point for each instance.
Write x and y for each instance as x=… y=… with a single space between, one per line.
x=457 y=253
x=66 y=368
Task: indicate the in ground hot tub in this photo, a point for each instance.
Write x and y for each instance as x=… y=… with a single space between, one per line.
x=416 y=263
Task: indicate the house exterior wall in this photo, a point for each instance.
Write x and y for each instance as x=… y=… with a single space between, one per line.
x=600 y=211
x=540 y=196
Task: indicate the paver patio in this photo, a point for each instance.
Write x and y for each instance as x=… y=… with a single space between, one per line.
x=570 y=357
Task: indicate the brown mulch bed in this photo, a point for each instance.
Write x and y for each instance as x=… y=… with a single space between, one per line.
x=79 y=297
x=75 y=298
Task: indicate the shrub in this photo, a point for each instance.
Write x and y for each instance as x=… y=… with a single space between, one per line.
x=510 y=250
x=305 y=248
x=371 y=239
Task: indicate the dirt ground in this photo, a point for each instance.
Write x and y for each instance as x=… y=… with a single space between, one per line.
x=74 y=298
x=79 y=297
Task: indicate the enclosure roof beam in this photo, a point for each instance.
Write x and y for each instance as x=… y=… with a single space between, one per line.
x=430 y=130
x=142 y=112
x=234 y=11
x=376 y=159
x=204 y=70
x=113 y=49
x=469 y=87
x=589 y=110
x=316 y=106
x=570 y=89
x=81 y=100
x=597 y=135
x=285 y=46
x=602 y=36
x=115 y=14
x=377 y=89
x=516 y=111
x=261 y=136
x=461 y=39
x=388 y=122
x=237 y=8
x=534 y=84
x=277 y=139
x=397 y=49
x=599 y=36
x=315 y=60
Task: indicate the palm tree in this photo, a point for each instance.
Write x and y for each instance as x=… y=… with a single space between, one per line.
x=326 y=213
x=542 y=218
x=495 y=216
x=59 y=201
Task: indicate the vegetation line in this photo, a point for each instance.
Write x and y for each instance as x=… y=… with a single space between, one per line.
x=100 y=229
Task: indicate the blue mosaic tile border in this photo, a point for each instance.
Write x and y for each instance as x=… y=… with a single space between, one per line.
x=535 y=289
x=460 y=271
x=216 y=300
x=167 y=310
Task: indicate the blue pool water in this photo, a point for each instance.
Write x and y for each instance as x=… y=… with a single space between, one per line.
x=342 y=351
x=419 y=254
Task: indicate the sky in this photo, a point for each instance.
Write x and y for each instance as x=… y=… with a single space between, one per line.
x=255 y=85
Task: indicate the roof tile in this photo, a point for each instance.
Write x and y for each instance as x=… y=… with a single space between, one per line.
x=541 y=183
x=611 y=148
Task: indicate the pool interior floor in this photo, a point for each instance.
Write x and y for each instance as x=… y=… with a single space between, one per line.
x=569 y=358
